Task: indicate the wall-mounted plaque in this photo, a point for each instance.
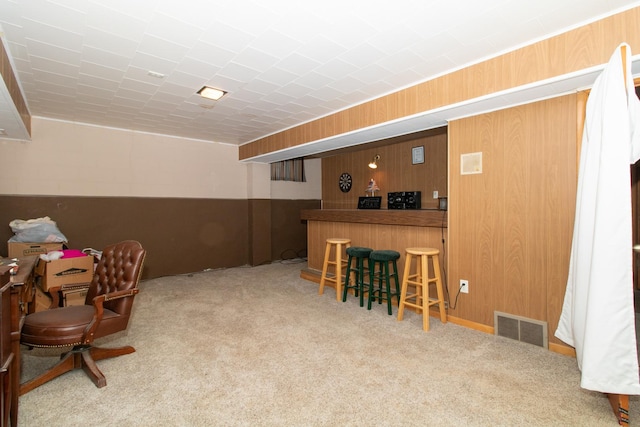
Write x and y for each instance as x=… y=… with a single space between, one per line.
x=417 y=155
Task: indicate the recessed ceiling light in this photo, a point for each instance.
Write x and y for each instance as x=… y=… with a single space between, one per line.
x=211 y=93
x=155 y=74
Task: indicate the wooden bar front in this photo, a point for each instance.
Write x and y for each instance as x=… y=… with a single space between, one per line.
x=376 y=229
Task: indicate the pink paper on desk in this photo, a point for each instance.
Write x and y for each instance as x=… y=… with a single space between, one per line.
x=72 y=253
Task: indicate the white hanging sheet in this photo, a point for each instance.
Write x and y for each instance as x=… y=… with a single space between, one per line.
x=598 y=316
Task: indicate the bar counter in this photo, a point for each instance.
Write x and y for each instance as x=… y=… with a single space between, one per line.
x=374 y=228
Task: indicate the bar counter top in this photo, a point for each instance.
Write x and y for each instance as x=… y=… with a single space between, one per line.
x=408 y=217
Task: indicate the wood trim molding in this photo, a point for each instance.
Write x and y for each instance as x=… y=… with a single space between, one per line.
x=14 y=88
x=414 y=218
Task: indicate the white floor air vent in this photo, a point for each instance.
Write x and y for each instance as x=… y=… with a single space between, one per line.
x=521 y=329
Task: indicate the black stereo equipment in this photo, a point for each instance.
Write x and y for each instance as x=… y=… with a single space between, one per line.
x=369 y=202
x=403 y=200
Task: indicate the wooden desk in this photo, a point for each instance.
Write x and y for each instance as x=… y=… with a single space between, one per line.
x=21 y=293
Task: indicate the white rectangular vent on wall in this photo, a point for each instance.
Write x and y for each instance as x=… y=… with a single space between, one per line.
x=521 y=329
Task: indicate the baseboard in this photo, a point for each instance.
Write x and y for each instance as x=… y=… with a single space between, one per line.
x=314 y=276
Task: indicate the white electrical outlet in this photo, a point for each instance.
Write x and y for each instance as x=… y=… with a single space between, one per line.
x=435 y=194
x=464 y=286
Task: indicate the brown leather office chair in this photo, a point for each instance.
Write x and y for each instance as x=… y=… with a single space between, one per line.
x=106 y=311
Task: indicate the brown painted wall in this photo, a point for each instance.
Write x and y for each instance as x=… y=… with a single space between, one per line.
x=180 y=235
x=288 y=231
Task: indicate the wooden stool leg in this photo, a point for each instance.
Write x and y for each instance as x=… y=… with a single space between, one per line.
x=425 y=292
x=418 y=278
x=325 y=265
x=403 y=291
x=440 y=291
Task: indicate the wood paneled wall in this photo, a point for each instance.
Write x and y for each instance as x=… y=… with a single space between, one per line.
x=510 y=227
x=395 y=172
x=580 y=48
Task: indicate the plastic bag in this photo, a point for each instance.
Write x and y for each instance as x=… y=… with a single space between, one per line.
x=39 y=230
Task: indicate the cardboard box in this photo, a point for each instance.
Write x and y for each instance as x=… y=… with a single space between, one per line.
x=74 y=296
x=65 y=271
x=43 y=300
x=19 y=249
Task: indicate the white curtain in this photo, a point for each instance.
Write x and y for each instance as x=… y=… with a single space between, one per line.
x=598 y=316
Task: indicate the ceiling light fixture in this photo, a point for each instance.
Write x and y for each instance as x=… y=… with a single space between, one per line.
x=211 y=93
x=374 y=162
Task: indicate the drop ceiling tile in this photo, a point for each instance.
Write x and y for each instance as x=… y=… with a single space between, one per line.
x=157 y=47
x=69 y=39
x=313 y=80
x=63 y=82
x=336 y=68
x=297 y=64
x=52 y=52
x=101 y=71
x=194 y=67
x=45 y=65
x=54 y=15
x=170 y=28
x=98 y=92
x=139 y=86
x=186 y=80
x=255 y=59
x=153 y=63
x=177 y=90
x=275 y=43
x=294 y=89
x=105 y=59
x=220 y=34
x=211 y=54
x=278 y=76
x=139 y=9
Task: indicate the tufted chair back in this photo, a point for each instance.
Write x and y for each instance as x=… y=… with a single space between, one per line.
x=119 y=269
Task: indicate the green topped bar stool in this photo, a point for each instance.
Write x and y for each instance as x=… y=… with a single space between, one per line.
x=358 y=255
x=337 y=262
x=421 y=280
x=382 y=259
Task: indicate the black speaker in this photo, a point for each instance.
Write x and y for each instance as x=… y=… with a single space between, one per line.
x=412 y=200
x=395 y=201
x=404 y=200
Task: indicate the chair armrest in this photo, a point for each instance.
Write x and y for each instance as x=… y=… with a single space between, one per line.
x=98 y=302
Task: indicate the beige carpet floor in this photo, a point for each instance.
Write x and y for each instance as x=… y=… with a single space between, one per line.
x=259 y=347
